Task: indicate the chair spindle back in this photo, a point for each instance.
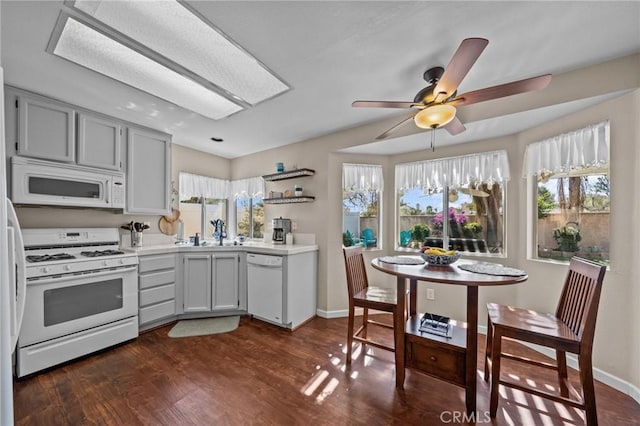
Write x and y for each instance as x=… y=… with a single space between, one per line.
x=356 y=271
x=578 y=305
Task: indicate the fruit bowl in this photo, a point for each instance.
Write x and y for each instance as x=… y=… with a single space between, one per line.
x=440 y=259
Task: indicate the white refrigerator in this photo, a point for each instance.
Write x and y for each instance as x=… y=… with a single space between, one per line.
x=12 y=280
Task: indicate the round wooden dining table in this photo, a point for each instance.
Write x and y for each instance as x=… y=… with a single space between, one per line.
x=435 y=348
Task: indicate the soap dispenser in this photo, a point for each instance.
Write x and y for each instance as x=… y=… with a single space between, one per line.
x=196 y=239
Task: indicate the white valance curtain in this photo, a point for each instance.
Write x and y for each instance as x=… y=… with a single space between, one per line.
x=362 y=177
x=474 y=169
x=249 y=187
x=195 y=186
x=582 y=148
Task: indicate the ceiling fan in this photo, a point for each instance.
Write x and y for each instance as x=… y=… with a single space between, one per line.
x=436 y=104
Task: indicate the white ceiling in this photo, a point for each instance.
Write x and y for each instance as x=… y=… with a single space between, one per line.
x=334 y=52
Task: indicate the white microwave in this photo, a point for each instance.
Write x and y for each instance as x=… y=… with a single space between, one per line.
x=60 y=184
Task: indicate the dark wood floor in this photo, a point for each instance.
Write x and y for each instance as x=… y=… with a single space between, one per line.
x=260 y=374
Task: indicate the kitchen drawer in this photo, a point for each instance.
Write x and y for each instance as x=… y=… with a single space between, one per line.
x=154 y=263
x=155 y=312
x=157 y=278
x=445 y=362
x=157 y=294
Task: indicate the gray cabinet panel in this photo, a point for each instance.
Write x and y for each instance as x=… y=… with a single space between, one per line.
x=197 y=283
x=45 y=130
x=156 y=312
x=152 y=263
x=211 y=282
x=225 y=281
x=99 y=142
x=157 y=278
x=148 y=172
x=157 y=294
x=157 y=289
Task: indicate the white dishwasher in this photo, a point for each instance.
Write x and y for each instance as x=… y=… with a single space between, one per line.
x=264 y=286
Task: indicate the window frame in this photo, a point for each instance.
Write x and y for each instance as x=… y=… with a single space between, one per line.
x=251 y=235
x=445 y=225
x=371 y=185
x=533 y=252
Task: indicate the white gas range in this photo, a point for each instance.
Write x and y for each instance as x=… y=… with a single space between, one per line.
x=82 y=296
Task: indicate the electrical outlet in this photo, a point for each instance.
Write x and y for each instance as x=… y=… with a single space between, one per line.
x=431 y=294
x=294 y=226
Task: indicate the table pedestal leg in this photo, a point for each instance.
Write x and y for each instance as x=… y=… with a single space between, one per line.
x=472 y=349
x=398 y=331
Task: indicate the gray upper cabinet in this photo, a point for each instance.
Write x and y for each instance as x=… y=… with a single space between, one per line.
x=99 y=142
x=45 y=129
x=148 y=172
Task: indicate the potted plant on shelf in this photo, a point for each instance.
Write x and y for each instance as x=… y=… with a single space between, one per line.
x=419 y=233
x=457 y=221
x=471 y=230
x=567 y=237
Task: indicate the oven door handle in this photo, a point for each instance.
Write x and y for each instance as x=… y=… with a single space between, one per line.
x=58 y=278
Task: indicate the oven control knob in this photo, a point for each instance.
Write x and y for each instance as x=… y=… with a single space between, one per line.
x=105 y=263
x=46 y=269
x=67 y=267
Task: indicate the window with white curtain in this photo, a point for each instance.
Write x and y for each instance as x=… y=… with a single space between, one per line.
x=362 y=186
x=570 y=177
x=455 y=202
x=202 y=199
x=248 y=194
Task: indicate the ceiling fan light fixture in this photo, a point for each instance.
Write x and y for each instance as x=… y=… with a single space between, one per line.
x=435 y=116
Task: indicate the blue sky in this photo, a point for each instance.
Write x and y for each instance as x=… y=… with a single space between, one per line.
x=416 y=196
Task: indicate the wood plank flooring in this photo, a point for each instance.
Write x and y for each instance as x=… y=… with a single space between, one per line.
x=262 y=375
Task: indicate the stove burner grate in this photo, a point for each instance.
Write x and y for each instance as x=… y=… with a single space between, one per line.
x=49 y=257
x=99 y=253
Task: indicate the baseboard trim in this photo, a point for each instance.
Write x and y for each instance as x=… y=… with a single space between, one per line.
x=332 y=314
x=600 y=375
x=344 y=313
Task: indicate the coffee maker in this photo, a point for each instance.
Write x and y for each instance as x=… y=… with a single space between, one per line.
x=281 y=227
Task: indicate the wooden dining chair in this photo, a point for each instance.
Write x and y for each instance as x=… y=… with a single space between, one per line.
x=571 y=329
x=366 y=297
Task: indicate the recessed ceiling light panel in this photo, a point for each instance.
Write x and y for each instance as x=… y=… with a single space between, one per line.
x=172 y=30
x=92 y=49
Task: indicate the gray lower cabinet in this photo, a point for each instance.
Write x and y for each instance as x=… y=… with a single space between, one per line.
x=148 y=172
x=45 y=129
x=211 y=282
x=157 y=289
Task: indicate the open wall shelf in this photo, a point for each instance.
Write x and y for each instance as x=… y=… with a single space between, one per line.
x=289 y=200
x=291 y=174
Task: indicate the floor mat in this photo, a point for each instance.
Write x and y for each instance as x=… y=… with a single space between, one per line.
x=202 y=327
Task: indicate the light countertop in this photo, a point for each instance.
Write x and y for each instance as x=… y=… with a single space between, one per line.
x=249 y=247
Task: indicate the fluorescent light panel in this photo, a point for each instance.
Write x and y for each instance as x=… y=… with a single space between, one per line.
x=92 y=49
x=170 y=29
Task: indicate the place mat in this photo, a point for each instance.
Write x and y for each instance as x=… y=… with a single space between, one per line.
x=402 y=260
x=489 y=268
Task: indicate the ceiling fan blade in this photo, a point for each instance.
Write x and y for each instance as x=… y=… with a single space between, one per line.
x=460 y=64
x=454 y=127
x=394 y=128
x=383 y=104
x=502 y=90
